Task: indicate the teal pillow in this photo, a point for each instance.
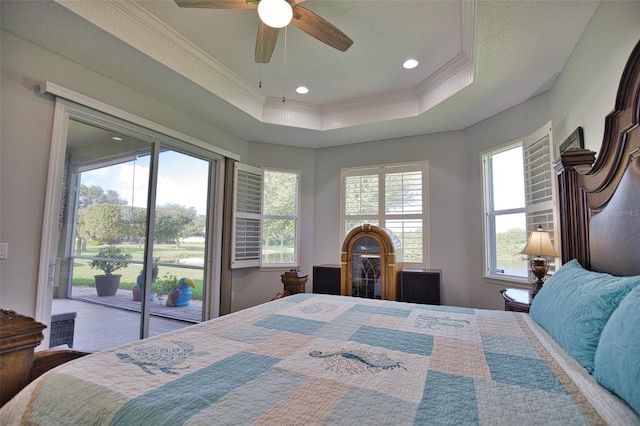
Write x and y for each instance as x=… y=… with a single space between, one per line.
x=574 y=306
x=617 y=362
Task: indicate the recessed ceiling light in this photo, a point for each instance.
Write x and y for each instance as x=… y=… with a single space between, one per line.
x=116 y=138
x=302 y=90
x=410 y=64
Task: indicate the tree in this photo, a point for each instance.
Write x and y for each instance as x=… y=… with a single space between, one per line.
x=92 y=195
x=279 y=207
x=102 y=222
x=196 y=228
x=172 y=220
x=138 y=223
x=510 y=243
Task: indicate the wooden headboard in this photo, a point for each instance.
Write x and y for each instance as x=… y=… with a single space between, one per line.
x=599 y=202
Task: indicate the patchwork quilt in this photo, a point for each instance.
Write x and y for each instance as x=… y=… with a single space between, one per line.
x=320 y=359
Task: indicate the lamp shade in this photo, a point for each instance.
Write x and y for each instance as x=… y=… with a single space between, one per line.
x=539 y=244
x=275 y=13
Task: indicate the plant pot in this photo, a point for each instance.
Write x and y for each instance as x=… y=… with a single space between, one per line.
x=137 y=295
x=179 y=297
x=137 y=290
x=107 y=285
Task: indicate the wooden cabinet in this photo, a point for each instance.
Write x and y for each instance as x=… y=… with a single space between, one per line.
x=421 y=286
x=326 y=279
x=19 y=335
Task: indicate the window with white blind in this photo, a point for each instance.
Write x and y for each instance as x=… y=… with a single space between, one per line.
x=265 y=229
x=519 y=195
x=392 y=196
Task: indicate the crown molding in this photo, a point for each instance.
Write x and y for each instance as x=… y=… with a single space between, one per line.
x=135 y=26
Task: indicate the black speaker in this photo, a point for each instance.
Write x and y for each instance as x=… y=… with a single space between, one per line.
x=326 y=279
x=420 y=286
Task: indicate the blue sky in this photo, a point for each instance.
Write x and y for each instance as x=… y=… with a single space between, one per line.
x=508 y=187
x=182 y=179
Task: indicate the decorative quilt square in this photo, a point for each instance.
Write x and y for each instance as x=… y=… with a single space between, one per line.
x=318 y=309
x=439 y=323
x=459 y=357
x=361 y=365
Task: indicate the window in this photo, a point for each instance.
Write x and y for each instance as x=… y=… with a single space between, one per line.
x=265 y=217
x=393 y=197
x=280 y=218
x=519 y=195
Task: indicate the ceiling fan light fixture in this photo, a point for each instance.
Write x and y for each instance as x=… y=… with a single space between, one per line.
x=275 y=13
x=302 y=90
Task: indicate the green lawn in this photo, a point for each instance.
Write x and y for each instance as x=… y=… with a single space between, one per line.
x=167 y=253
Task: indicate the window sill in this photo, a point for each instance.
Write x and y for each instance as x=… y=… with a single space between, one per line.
x=278 y=267
x=510 y=281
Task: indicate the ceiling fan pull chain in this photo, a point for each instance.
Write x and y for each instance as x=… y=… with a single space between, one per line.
x=260 y=64
x=286 y=32
x=284 y=65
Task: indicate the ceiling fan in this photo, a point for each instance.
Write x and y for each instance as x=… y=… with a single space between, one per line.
x=301 y=17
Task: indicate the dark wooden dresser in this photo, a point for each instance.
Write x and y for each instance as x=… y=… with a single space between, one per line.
x=19 y=335
x=19 y=365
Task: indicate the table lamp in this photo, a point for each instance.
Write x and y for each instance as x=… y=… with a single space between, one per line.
x=539 y=245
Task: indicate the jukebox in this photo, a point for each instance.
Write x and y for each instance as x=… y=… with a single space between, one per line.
x=370 y=263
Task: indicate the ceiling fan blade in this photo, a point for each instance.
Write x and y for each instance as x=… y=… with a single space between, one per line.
x=265 y=43
x=320 y=28
x=218 y=4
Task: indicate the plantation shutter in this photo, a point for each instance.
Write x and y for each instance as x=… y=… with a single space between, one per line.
x=539 y=183
x=392 y=196
x=361 y=199
x=247 y=208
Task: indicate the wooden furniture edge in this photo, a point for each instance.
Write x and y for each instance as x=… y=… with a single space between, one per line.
x=44 y=361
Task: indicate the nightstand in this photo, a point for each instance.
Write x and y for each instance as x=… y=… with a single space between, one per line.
x=516 y=299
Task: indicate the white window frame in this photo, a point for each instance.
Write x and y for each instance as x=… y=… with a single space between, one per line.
x=295 y=218
x=540 y=136
x=246 y=244
x=381 y=217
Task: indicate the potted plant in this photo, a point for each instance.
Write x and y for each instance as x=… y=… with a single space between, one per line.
x=137 y=290
x=108 y=261
x=181 y=295
x=164 y=285
x=178 y=291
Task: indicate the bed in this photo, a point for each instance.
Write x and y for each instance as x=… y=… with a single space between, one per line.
x=323 y=359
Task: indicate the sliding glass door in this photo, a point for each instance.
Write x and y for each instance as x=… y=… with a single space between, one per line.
x=133 y=236
x=179 y=243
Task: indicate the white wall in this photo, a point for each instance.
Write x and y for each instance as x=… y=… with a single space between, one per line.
x=585 y=91
x=502 y=128
x=26 y=124
x=447 y=199
x=252 y=286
